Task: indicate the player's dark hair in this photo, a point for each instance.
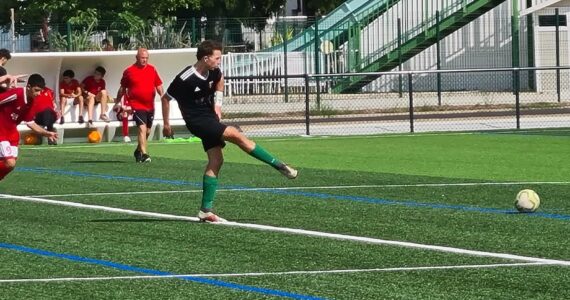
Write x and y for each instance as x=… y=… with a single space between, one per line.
x=36 y=80
x=68 y=73
x=3 y=71
x=101 y=70
x=208 y=47
x=5 y=53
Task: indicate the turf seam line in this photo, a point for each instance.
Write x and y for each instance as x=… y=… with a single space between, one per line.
x=295 y=231
x=394 y=269
x=332 y=187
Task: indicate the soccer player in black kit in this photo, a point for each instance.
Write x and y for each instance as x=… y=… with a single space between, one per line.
x=199 y=91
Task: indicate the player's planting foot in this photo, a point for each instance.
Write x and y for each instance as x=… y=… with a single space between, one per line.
x=145 y=158
x=138 y=155
x=288 y=171
x=210 y=217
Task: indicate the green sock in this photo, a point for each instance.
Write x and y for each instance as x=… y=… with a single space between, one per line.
x=261 y=154
x=209 y=186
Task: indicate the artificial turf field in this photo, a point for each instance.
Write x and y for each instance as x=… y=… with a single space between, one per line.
x=425 y=216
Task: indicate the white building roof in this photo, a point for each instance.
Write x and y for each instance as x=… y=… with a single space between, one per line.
x=545 y=4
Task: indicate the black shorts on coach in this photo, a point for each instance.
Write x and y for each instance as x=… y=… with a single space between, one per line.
x=143 y=117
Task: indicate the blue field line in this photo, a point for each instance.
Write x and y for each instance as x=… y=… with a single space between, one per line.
x=123 y=267
x=112 y=177
x=309 y=194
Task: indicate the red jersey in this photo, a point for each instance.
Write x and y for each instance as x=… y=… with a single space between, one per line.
x=42 y=102
x=69 y=88
x=13 y=110
x=92 y=86
x=141 y=84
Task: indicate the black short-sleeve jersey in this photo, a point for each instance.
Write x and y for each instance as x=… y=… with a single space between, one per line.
x=194 y=92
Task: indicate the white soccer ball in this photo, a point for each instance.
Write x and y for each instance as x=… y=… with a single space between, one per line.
x=527 y=201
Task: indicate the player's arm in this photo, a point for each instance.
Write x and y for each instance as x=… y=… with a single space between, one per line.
x=219 y=97
x=120 y=93
x=160 y=90
x=167 y=130
x=52 y=136
x=11 y=80
x=63 y=94
x=77 y=92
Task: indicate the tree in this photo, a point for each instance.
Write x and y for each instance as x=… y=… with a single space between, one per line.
x=60 y=11
x=321 y=7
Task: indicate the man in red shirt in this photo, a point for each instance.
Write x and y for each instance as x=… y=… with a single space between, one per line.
x=43 y=107
x=139 y=84
x=70 y=89
x=15 y=107
x=94 y=92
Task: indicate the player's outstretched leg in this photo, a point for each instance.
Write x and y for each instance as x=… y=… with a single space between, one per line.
x=232 y=135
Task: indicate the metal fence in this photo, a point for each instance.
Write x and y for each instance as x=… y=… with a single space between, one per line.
x=311 y=113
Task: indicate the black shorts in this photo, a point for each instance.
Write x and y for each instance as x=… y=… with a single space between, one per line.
x=143 y=117
x=208 y=129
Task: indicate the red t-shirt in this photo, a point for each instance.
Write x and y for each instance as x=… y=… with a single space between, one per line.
x=42 y=102
x=13 y=110
x=92 y=86
x=141 y=84
x=69 y=88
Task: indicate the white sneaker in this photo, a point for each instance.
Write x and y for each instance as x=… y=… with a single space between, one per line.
x=288 y=171
x=210 y=217
x=126 y=139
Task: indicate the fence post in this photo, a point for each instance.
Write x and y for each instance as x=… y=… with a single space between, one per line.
x=557 y=54
x=317 y=63
x=69 y=46
x=411 y=98
x=194 y=39
x=400 y=79
x=515 y=59
x=438 y=57
x=307 y=107
x=516 y=87
x=285 y=58
x=13 y=30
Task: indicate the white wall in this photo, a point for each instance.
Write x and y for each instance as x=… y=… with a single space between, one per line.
x=52 y=64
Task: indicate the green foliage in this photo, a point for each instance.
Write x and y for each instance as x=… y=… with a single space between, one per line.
x=80 y=40
x=277 y=37
x=160 y=37
x=321 y=7
x=325 y=110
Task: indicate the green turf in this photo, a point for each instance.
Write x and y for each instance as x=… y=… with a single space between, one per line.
x=475 y=217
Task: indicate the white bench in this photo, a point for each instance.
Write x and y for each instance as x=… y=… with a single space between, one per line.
x=71 y=131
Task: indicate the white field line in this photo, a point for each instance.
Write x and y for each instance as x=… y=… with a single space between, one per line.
x=296 y=231
x=318 y=188
x=398 y=269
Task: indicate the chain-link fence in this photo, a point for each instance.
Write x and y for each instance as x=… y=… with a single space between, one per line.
x=312 y=113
